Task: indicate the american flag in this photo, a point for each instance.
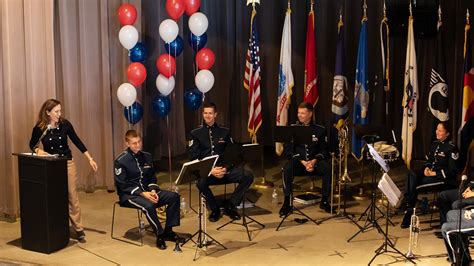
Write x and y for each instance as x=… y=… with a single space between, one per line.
x=252 y=80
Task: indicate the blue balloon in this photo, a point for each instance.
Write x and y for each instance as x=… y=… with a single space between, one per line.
x=175 y=47
x=138 y=53
x=161 y=105
x=193 y=99
x=197 y=42
x=133 y=113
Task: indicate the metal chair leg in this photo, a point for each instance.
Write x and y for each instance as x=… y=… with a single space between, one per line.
x=123 y=240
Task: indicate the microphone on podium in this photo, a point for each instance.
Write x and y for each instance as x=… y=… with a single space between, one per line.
x=42 y=136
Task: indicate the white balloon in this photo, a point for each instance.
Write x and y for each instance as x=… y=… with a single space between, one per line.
x=126 y=94
x=168 y=30
x=204 y=80
x=128 y=36
x=198 y=23
x=165 y=85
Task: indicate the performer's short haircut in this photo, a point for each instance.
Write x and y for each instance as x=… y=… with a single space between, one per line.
x=306 y=105
x=210 y=105
x=131 y=134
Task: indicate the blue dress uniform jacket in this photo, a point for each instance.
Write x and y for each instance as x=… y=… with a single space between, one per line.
x=212 y=140
x=208 y=140
x=443 y=159
x=317 y=149
x=134 y=174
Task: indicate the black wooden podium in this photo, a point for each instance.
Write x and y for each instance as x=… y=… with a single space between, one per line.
x=43 y=202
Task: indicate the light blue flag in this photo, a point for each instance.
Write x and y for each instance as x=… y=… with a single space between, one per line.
x=361 y=91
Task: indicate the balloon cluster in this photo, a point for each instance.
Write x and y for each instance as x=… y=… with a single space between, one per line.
x=136 y=71
x=166 y=63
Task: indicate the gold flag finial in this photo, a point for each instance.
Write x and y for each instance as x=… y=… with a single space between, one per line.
x=289 y=4
x=312 y=4
x=384 y=10
x=253 y=2
x=365 y=11
x=340 y=23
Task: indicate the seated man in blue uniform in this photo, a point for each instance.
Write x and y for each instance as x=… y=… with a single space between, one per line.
x=212 y=139
x=308 y=159
x=450 y=199
x=457 y=245
x=136 y=186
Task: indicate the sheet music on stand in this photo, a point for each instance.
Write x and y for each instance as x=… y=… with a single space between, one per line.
x=196 y=168
x=378 y=158
x=390 y=190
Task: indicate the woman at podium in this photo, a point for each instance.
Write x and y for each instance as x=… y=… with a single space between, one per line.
x=53 y=131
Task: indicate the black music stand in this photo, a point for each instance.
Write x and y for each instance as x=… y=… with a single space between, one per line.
x=390 y=190
x=236 y=155
x=339 y=213
x=294 y=135
x=369 y=212
x=190 y=172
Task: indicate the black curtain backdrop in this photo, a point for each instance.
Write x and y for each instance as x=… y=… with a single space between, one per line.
x=228 y=33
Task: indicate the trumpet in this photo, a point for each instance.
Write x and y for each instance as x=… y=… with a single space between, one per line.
x=414 y=232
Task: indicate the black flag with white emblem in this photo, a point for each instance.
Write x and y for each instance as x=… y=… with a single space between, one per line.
x=438 y=95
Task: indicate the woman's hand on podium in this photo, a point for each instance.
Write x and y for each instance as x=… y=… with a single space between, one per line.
x=41 y=152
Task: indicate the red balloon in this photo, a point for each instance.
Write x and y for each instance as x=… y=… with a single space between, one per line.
x=127 y=14
x=192 y=6
x=205 y=58
x=166 y=65
x=175 y=8
x=136 y=73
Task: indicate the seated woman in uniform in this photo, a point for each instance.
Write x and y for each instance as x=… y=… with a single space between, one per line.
x=440 y=171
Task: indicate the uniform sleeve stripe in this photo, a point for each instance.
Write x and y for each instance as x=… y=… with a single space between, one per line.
x=134 y=190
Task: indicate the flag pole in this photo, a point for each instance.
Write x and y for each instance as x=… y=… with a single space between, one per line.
x=385 y=60
x=263 y=183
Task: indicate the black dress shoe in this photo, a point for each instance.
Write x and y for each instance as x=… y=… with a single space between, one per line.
x=81 y=236
x=438 y=234
x=407 y=218
x=169 y=235
x=215 y=215
x=232 y=213
x=285 y=210
x=324 y=205
x=160 y=243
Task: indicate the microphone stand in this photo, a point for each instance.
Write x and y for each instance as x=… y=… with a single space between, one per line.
x=459 y=239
